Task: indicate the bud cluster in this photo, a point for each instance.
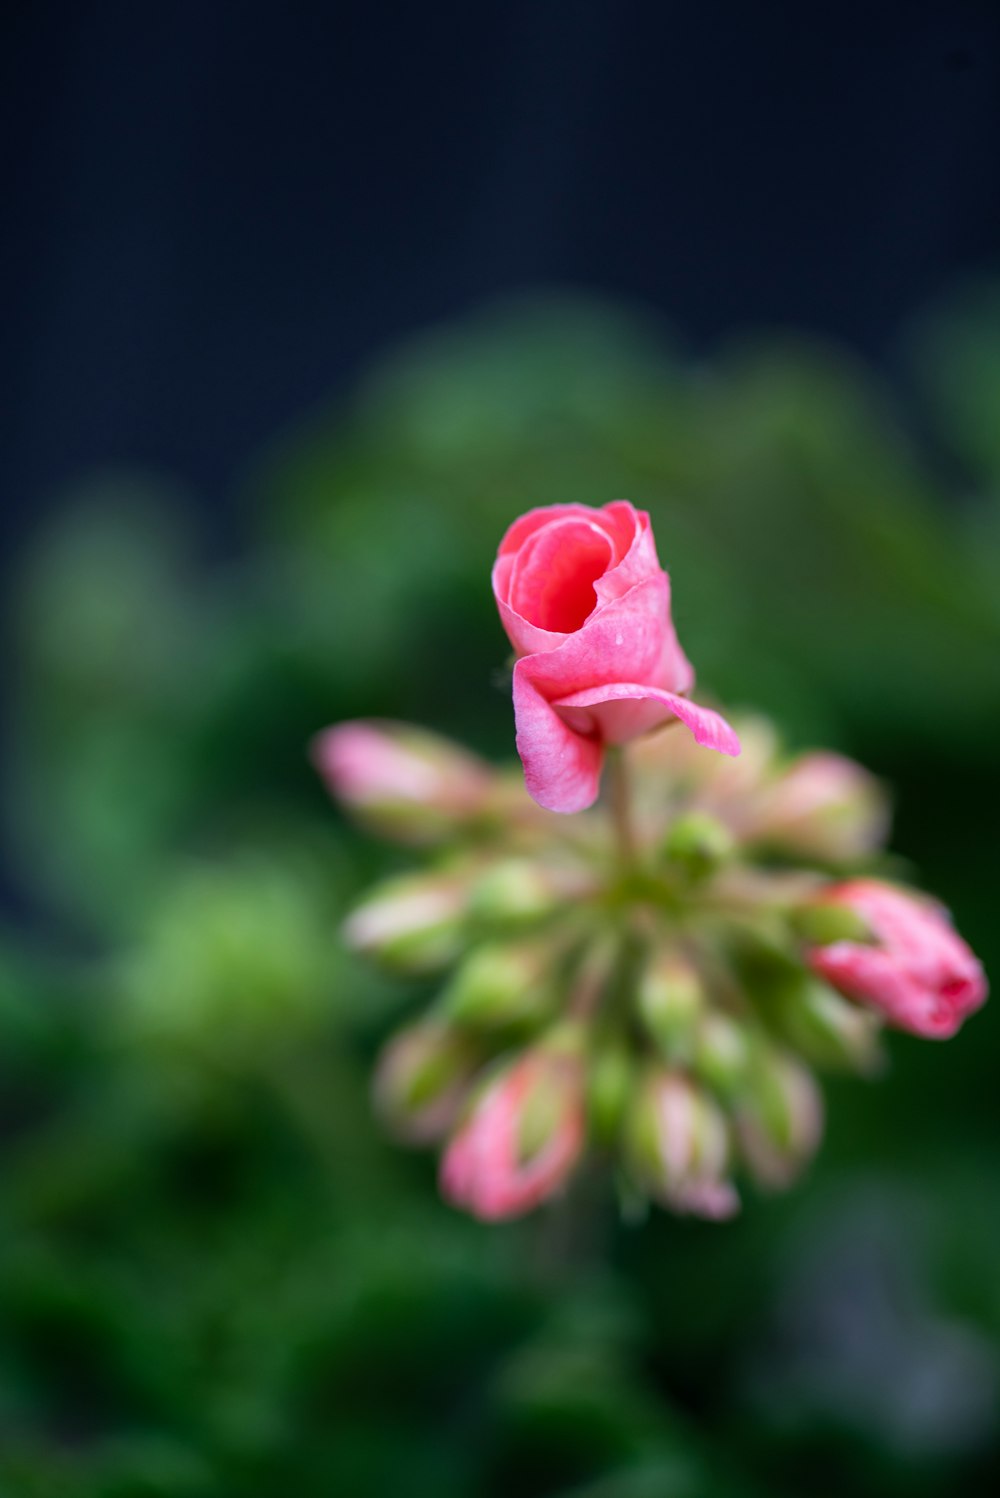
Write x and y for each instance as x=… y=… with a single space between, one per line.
x=668 y=1009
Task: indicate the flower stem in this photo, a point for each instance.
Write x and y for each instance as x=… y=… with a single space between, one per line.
x=620 y=804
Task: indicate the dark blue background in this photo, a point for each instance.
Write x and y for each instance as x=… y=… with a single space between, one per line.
x=215 y=213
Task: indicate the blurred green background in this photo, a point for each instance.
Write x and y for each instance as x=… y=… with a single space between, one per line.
x=217 y=1279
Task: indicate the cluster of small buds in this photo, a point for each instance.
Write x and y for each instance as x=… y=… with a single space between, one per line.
x=668 y=1010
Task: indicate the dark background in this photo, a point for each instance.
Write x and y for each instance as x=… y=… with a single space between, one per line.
x=214 y=214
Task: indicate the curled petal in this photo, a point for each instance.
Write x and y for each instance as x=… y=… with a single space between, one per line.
x=562 y=768
x=623 y=710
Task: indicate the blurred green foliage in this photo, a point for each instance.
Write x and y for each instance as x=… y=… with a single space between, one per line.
x=216 y=1279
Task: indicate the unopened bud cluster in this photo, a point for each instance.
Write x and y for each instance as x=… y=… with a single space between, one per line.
x=668 y=1010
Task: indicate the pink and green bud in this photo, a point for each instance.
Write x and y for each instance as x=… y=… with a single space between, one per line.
x=411 y=924
x=822 y=807
x=678 y=1146
x=914 y=969
x=503 y=984
x=671 y=1000
x=522 y=1136
x=779 y=1120
x=422 y=1079
x=402 y=781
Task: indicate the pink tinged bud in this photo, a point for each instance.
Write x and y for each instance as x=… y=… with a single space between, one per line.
x=412 y=924
x=822 y=807
x=586 y=606
x=679 y=1147
x=915 y=969
x=521 y=1140
x=402 y=781
x=779 y=1122
x=422 y=1079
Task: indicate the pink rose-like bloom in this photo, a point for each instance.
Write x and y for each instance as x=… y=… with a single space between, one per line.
x=917 y=972
x=586 y=606
x=490 y=1169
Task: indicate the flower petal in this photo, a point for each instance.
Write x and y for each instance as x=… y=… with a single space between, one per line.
x=562 y=768
x=551 y=583
x=622 y=710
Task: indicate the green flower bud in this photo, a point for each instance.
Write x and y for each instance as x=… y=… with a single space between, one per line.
x=825 y=1028
x=411 y=924
x=502 y=984
x=821 y=923
x=699 y=844
x=422 y=1079
x=721 y=1053
x=779 y=1120
x=514 y=891
x=670 y=1000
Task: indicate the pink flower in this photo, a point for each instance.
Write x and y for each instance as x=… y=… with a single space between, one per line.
x=521 y=1140
x=917 y=971
x=586 y=606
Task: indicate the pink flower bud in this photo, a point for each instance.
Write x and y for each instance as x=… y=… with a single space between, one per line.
x=402 y=781
x=586 y=606
x=522 y=1138
x=823 y=806
x=413 y=923
x=679 y=1147
x=916 y=970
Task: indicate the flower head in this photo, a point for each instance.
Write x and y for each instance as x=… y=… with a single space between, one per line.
x=665 y=981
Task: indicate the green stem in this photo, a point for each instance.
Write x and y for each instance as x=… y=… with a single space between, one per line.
x=620 y=805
